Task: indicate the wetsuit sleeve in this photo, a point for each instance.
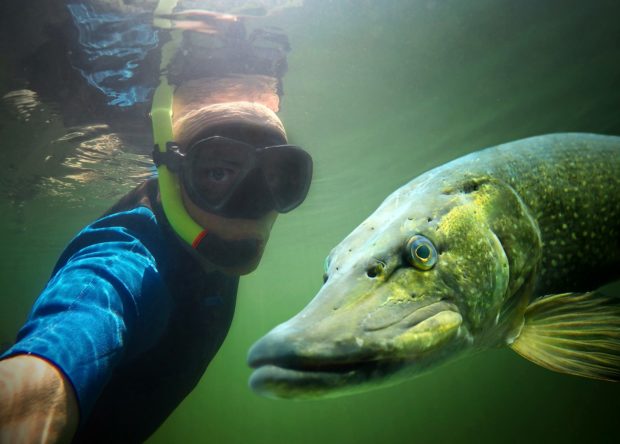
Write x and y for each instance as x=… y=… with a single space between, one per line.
x=105 y=303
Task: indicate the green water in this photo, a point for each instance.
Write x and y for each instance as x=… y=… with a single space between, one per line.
x=379 y=92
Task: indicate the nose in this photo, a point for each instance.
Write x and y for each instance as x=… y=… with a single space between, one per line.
x=252 y=199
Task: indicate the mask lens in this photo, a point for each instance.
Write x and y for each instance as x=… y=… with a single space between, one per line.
x=216 y=167
x=288 y=172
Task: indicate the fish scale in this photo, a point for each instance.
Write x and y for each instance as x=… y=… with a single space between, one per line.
x=568 y=181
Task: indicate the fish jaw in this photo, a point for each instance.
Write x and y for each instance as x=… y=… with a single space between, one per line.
x=379 y=341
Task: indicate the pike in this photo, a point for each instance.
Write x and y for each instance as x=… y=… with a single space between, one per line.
x=507 y=246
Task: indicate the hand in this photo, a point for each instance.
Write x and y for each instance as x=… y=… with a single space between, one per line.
x=37 y=403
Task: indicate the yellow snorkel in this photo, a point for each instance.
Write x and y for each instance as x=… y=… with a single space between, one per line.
x=161 y=117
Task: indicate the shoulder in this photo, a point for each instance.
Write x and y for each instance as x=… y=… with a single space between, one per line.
x=137 y=223
x=132 y=233
x=136 y=219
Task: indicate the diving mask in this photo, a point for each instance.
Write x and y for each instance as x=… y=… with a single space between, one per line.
x=232 y=178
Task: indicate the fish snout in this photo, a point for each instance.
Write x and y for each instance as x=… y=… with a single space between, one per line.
x=279 y=347
x=322 y=356
x=290 y=362
x=297 y=345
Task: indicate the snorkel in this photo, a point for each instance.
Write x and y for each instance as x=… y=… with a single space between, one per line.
x=161 y=117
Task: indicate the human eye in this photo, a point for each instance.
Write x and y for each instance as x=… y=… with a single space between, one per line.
x=219 y=174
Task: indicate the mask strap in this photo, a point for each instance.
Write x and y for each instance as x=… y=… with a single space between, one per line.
x=161 y=117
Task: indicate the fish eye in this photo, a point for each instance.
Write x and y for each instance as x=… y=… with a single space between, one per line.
x=421 y=253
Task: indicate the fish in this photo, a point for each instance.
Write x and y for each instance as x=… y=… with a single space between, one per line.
x=508 y=246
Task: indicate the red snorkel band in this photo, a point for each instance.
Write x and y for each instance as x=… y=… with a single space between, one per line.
x=199 y=239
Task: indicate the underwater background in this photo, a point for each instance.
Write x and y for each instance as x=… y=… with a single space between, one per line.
x=378 y=92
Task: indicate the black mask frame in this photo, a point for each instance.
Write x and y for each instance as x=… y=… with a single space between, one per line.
x=217 y=169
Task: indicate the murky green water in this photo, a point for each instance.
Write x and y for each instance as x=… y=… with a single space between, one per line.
x=378 y=92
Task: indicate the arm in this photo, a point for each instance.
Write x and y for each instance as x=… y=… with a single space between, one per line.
x=37 y=403
x=104 y=302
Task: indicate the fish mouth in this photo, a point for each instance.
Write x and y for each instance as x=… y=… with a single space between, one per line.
x=292 y=362
x=273 y=381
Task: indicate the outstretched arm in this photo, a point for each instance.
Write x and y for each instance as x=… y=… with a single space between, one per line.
x=37 y=403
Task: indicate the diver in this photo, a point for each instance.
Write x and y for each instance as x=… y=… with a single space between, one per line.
x=141 y=299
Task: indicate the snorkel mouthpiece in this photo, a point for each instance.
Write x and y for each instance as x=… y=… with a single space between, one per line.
x=228 y=253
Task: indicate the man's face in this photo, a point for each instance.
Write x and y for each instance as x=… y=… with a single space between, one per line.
x=236 y=228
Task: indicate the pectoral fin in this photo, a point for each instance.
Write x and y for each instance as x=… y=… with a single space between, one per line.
x=574 y=333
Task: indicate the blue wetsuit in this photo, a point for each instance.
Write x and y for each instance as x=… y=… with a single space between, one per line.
x=132 y=320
